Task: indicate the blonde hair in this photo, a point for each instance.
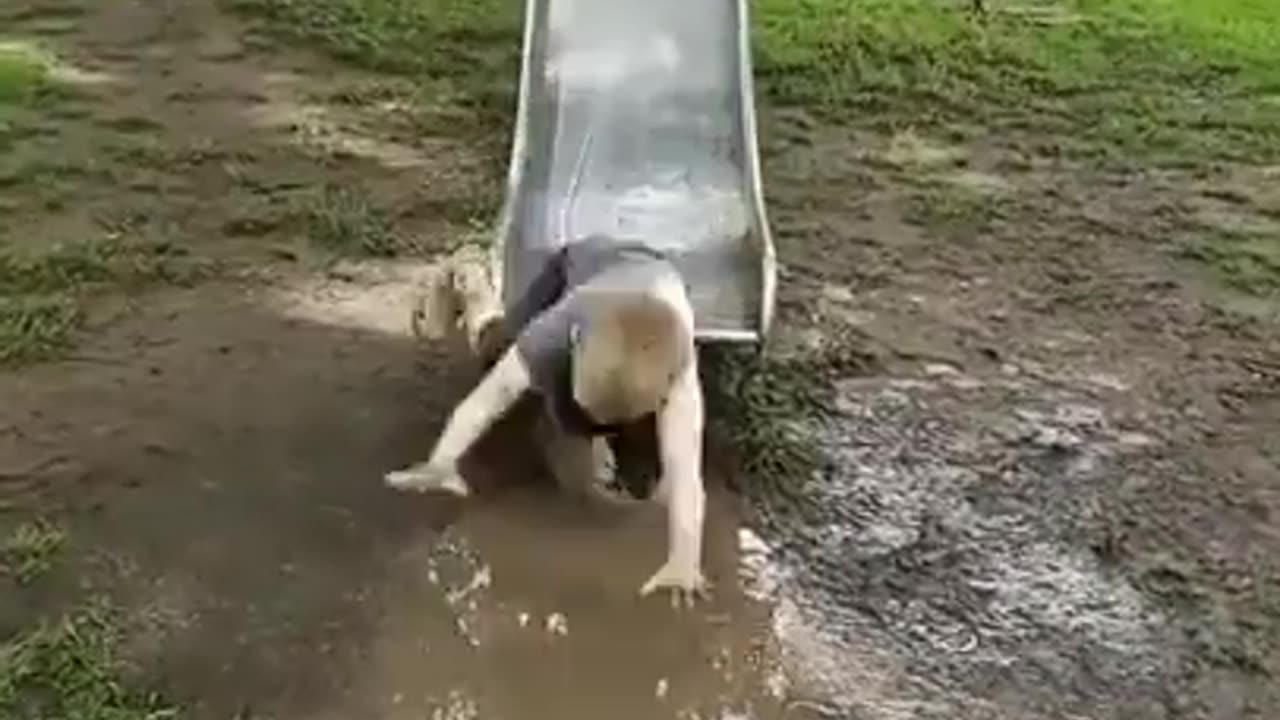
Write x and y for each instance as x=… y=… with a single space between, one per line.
x=627 y=356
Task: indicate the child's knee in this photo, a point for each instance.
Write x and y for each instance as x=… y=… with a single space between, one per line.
x=491 y=342
x=570 y=459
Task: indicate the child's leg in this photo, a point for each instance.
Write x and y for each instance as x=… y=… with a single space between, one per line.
x=462 y=294
x=435 y=307
x=476 y=287
x=582 y=466
x=635 y=448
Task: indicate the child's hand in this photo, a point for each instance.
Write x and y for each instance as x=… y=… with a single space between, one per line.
x=428 y=477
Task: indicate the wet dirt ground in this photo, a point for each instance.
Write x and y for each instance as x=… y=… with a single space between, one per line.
x=1048 y=491
x=241 y=518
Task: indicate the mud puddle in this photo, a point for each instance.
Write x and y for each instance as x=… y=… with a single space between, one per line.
x=220 y=462
x=547 y=622
x=218 y=468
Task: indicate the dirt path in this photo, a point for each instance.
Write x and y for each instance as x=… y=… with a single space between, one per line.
x=1050 y=454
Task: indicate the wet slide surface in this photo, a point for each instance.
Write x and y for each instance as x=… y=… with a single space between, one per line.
x=637 y=121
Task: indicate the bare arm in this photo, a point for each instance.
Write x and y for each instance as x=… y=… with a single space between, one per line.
x=495 y=394
x=680 y=428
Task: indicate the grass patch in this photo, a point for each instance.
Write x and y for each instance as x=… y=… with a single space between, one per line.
x=1170 y=79
x=43 y=294
x=956 y=210
x=29 y=80
x=36 y=329
x=1246 y=263
x=470 y=200
x=61 y=11
x=1178 y=81
x=23 y=74
x=27 y=169
x=754 y=403
x=29 y=83
x=111 y=261
x=69 y=669
x=29 y=550
x=346 y=222
x=469 y=51
x=24 y=77
x=764 y=400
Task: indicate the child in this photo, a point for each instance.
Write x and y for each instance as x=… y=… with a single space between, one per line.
x=605 y=336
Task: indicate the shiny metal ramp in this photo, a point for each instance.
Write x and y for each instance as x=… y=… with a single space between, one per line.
x=637 y=120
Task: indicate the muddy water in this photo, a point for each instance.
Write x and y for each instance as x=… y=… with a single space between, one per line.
x=546 y=623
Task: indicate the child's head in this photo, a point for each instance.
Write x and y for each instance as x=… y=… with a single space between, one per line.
x=626 y=356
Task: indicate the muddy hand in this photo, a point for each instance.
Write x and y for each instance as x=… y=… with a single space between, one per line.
x=686 y=584
x=425 y=477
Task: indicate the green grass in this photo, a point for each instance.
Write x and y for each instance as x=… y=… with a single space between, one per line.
x=43 y=293
x=69 y=670
x=754 y=402
x=29 y=550
x=1178 y=81
x=110 y=261
x=462 y=52
x=33 y=167
x=30 y=84
x=437 y=37
x=24 y=77
x=1247 y=263
x=1172 y=80
x=1112 y=81
x=22 y=74
x=36 y=329
x=345 y=221
x=956 y=211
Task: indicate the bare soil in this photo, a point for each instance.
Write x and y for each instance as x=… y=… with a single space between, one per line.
x=1049 y=481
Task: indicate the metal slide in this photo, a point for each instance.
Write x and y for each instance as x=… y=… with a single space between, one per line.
x=636 y=119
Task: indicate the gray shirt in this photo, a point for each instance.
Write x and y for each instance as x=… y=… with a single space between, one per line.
x=557 y=300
